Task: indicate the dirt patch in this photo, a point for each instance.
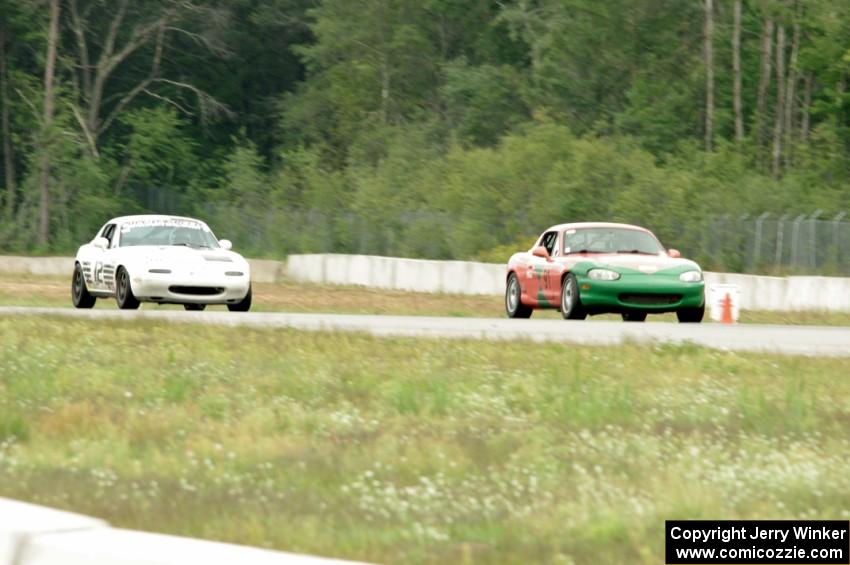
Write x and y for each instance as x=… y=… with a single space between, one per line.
x=287 y=296
x=49 y=287
x=292 y=296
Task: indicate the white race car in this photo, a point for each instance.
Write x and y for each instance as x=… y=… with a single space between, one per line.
x=162 y=259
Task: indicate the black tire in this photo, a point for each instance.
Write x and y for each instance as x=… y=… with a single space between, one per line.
x=79 y=293
x=513 y=299
x=691 y=315
x=571 y=308
x=242 y=306
x=124 y=292
x=634 y=316
x=194 y=307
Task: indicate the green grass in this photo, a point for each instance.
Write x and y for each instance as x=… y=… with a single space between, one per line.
x=398 y=450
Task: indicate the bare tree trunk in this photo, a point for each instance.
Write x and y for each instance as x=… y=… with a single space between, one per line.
x=47 y=122
x=8 y=152
x=807 y=104
x=790 y=105
x=780 y=100
x=94 y=111
x=709 y=74
x=385 y=87
x=736 y=69
x=764 y=81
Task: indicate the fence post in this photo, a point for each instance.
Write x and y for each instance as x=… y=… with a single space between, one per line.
x=757 y=244
x=812 y=237
x=710 y=238
x=740 y=245
x=836 y=240
x=723 y=234
x=795 y=236
x=780 y=236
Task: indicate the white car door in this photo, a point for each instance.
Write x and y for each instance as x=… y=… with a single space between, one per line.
x=103 y=260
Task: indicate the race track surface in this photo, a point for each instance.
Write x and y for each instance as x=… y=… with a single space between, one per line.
x=790 y=340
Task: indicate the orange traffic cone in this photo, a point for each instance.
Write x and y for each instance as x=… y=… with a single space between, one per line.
x=726 y=312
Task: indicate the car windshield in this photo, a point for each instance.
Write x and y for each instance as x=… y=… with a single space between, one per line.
x=611 y=240
x=167 y=232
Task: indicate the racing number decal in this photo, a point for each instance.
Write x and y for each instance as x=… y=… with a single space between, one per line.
x=543 y=285
x=543 y=279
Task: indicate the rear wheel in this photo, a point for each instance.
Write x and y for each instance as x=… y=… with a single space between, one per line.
x=194 y=307
x=634 y=316
x=124 y=292
x=571 y=308
x=242 y=306
x=79 y=293
x=513 y=299
x=691 y=315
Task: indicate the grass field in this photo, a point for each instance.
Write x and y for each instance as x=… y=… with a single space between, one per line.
x=429 y=451
x=28 y=290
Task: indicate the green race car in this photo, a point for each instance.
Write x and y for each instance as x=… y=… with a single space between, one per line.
x=595 y=268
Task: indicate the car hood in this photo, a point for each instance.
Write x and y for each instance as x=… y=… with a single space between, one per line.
x=179 y=255
x=638 y=262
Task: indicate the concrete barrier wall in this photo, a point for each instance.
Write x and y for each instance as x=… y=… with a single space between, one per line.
x=36 y=535
x=467 y=277
x=416 y=275
x=266 y=271
x=788 y=293
x=12 y=264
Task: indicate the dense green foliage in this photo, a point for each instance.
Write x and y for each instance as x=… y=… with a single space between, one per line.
x=436 y=128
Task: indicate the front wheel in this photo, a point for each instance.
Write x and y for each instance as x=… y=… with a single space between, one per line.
x=80 y=295
x=513 y=299
x=194 y=307
x=634 y=316
x=691 y=315
x=571 y=308
x=124 y=292
x=244 y=305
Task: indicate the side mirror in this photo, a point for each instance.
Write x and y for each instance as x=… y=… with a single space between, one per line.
x=100 y=242
x=674 y=253
x=541 y=251
x=225 y=244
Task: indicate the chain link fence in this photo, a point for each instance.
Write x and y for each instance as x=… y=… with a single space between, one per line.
x=275 y=233
x=761 y=244
x=785 y=244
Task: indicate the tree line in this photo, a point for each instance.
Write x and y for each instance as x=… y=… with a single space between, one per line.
x=427 y=128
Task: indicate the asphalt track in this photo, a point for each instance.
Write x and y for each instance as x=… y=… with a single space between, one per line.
x=789 y=340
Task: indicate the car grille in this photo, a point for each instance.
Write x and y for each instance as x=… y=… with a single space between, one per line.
x=650 y=299
x=197 y=290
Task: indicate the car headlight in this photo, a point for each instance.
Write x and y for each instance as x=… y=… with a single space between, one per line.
x=691 y=276
x=603 y=275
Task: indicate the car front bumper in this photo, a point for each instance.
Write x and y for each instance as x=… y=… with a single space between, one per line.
x=640 y=292
x=200 y=288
